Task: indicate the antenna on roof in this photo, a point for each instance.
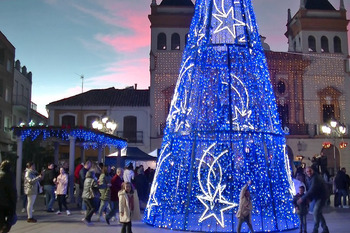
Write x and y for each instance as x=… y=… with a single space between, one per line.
x=82 y=82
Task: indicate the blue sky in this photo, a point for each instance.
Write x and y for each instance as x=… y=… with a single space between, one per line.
x=107 y=41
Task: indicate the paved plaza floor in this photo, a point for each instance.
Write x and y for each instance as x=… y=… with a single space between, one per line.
x=338 y=221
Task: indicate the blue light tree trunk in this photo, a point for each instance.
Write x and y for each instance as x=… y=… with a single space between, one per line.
x=223 y=130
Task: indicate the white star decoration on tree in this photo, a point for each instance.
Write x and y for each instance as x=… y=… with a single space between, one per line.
x=228 y=22
x=212 y=197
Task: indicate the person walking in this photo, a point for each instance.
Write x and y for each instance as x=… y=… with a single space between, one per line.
x=82 y=176
x=49 y=186
x=245 y=208
x=90 y=185
x=31 y=189
x=301 y=209
x=116 y=183
x=104 y=183
x=319 y=194
x=129 y=174
x=61 y=191
x=129 y=208
x=341 y=184
x=8 y=197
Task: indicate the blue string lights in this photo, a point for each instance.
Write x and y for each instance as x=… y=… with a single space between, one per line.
x=90 y=138
x=222 y=130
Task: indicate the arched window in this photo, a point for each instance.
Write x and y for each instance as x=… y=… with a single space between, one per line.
x=68 y=120
x=312 y=44
x=90 y=120
x=328 y=112
x=295 y=46
x=161 y=41
x=130 y=128
x=337 y=44
x=175 y=41
x=324 y=45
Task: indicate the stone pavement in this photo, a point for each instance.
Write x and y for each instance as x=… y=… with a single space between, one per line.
x=338 y=221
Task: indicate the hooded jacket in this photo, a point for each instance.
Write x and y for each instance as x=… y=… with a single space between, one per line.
x=124 y=207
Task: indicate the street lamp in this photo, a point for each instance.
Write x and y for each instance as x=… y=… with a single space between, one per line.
x=334 y=129
x=105 y=125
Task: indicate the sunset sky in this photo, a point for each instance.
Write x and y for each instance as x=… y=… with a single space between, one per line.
x=107 y=41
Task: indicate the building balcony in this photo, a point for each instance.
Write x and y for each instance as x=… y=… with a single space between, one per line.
x=131 y=136
x=21 y=100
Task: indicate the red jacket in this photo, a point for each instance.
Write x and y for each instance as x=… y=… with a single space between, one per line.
x=76 y=173
x=116 y=187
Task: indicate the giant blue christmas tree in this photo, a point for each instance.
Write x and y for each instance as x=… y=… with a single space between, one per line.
x=223 y=130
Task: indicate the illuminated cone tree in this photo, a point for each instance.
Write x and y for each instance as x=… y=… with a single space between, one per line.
x=223 y=130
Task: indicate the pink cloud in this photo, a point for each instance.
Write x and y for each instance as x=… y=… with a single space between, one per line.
x=130 y=17
x=124 y=73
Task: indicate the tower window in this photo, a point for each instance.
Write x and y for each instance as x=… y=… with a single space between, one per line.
x=161 y=41
x=175 y=41
x=312 y=44
x=324 y=44
x=328 y=112
x=337 y=44
x=281 y=87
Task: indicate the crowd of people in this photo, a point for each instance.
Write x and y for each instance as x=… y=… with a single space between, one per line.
x=101 y=190
x=116 y=194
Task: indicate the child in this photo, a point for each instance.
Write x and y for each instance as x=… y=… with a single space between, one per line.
x=128 y=206
x=245 y=208
x=301 y=209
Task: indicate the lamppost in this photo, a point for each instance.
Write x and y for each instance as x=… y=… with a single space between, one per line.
x=105 y=125
x=334 y=129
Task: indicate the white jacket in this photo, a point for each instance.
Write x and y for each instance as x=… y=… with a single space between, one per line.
x=125 y=208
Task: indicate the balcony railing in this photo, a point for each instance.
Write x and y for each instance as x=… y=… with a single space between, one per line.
x=132 y=137
x=21 y=100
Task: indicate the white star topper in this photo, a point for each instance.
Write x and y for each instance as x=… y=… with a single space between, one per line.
x=226 y=22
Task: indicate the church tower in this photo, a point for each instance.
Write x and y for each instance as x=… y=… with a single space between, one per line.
x=318 y=27
x=170 y=22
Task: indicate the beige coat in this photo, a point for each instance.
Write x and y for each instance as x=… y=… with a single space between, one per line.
x=125 y=208
x=245 y=205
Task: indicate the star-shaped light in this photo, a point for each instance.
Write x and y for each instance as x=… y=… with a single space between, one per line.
x=228 y=22
x=215 y=203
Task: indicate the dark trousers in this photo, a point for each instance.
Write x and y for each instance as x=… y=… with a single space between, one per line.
x=89 y=209
x=114 y=209
x=49 y=196
x=61 y=198
x=318 y=216
x=126 y=228
x=6 y=216
x=302 y=226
